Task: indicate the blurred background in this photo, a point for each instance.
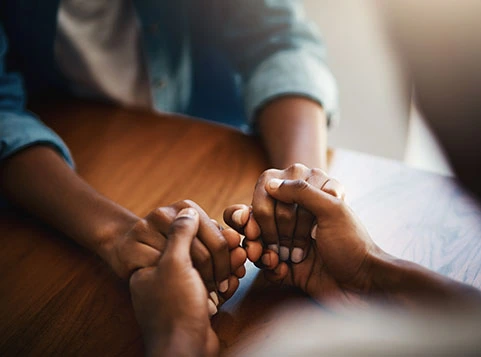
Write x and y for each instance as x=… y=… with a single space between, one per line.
x=377 y=115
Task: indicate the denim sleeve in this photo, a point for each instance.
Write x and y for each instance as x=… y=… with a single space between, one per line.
x=18 y=127
x=274 y=47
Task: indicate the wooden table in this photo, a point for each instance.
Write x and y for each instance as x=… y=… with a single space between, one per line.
x=58 y=299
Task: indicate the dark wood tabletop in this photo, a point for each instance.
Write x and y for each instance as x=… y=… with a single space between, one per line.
x=56 y=298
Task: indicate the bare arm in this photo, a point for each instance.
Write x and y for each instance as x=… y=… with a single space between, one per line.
x=407 y=283
x=294 y=129
x=344 y=261
x=39 y=181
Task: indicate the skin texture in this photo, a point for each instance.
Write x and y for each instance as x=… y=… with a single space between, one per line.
x=216 y=253
x=286 y=228
x=338 y=263
x=117 y=235
x=449 y=112
x=125 y=241
x=345 y=265
x=170 y=299
x=294 y=130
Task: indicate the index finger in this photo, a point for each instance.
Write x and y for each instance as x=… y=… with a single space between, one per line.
x=263 y=208
x=209 y=240
x=217 y=245
x=304 y=194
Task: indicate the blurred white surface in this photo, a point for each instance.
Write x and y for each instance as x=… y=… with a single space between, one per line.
x=374 y=98
x=422 y=149
x=374 y=94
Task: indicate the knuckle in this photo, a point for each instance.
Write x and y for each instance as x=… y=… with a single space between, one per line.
x=339 y=205
x=128 y=264
x=335 y=188
x=188 y=203
x=191 y=204
x=261 y=211
x=141 y=227
x=215 y=222
x=221 y=246
x=318 y=172
x=297 y=169
x=300 y=185
x=136 y=279
x=158 y=214
x=268 y=174
x=284 y=213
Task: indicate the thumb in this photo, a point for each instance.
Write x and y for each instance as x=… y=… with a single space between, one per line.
x=181 y=234
x=316 y=201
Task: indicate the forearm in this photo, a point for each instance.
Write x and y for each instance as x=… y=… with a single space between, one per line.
x=407 y=283
x=175 y=343
x=294 y=129
x=39 y=181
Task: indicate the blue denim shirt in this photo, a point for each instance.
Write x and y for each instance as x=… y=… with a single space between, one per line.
x=202 y=56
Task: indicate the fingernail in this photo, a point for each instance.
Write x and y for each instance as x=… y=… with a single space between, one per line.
x=224 y=286
x=284 y=254
x=297 y=255
x=237 y=217
x=273 y=247
x=214 y=298
x=275 y=183
x=217 y=224
x=187 y=212
x=266 y=259
x=212 y=308
x=314 y=232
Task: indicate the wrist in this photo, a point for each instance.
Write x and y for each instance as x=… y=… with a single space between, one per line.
x=294 y=129
x=386 y=274
x=407 y=283
x=373 y=273
x=178 y=341
x=108 y=233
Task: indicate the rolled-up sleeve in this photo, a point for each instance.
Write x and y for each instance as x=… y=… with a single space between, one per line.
x=19 y=128
x=292 y=72
x=276 y=50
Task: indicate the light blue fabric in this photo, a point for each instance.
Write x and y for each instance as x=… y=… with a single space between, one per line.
x=261 y=49
x=18 y=127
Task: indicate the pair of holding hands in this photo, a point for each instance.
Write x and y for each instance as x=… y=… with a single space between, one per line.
x=298 y=230
x=301 y=233
x=215 y=252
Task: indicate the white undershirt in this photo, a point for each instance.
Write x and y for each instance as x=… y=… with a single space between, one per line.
x=98 y=48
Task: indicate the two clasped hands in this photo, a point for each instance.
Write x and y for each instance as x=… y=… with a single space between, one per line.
x=298 y=230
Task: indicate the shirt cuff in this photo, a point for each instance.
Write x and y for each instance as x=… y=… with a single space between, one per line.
x=292 y=72
x=20 y=130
